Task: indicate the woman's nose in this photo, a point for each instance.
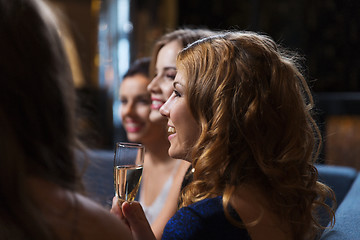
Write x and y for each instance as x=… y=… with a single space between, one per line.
x=128 y=109
x=154 y=85
x=165 y=109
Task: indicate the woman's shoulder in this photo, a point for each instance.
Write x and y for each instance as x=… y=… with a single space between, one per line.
x=206 y=208
x=199 y=211
x=95 y=222
x=207 y=220
x=74 y=216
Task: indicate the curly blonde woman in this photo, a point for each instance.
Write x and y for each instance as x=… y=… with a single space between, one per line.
x=241 y=113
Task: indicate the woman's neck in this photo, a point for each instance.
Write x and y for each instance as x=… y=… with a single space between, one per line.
x=156 y=150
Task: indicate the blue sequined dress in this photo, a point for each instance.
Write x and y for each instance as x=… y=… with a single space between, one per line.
x=203 y=220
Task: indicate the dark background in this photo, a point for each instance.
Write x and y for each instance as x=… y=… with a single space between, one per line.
x=325 y=32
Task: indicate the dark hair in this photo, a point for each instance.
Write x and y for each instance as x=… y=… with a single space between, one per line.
x=37 y=113
x=139 y=66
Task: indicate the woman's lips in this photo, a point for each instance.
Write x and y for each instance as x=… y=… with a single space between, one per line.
x=133 y=127
x=156 y=104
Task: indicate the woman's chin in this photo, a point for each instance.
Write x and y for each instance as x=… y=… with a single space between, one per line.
x=136 y=138
x=174 y=153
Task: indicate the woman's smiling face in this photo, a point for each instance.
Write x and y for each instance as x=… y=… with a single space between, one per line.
x=135 y=107
x=161 y=86
x=183 y=128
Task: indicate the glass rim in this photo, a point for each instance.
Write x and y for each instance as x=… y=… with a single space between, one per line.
x=129 y=144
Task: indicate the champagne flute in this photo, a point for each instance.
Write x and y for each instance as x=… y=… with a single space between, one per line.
x=128 y=166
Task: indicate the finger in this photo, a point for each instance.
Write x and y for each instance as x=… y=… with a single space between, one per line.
x=116 y=208
x=137 y=221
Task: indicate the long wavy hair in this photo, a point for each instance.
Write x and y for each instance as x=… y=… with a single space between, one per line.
x=37 y=115
x=255 y=111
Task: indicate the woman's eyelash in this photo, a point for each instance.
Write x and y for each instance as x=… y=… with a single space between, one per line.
x=172 y=76
x=177 y=94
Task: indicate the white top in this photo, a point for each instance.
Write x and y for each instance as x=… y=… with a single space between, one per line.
x=152 y=211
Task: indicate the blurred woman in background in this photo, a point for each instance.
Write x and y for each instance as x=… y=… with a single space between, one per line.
x=135 y=103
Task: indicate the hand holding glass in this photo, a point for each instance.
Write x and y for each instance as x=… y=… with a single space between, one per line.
x=128 y=166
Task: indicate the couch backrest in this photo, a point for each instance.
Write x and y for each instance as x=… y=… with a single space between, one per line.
x=339 y=178
x=347 y=225
x=98 y=175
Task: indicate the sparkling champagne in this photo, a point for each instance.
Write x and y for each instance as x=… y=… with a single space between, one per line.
x=127 y=181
